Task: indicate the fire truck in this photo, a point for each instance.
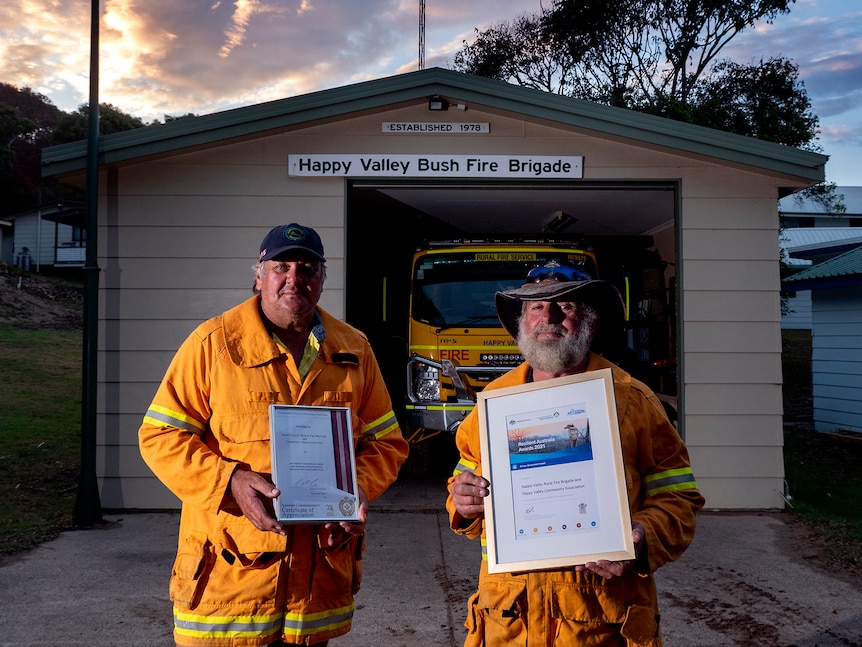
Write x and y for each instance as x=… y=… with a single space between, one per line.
x=456 y=344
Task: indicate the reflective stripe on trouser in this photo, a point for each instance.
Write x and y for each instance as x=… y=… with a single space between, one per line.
x=257 y=630
x=222 y=599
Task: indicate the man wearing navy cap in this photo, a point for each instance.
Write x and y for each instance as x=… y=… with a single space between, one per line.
x=240 y=576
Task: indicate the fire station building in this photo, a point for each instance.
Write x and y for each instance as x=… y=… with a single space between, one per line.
x=379 y=165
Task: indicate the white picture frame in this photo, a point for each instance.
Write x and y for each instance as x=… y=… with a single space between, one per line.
x=552 y=453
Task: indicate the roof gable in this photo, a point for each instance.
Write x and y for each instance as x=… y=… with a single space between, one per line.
x=457 y=87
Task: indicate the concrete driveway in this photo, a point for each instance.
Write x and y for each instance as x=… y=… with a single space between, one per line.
x=740 y=583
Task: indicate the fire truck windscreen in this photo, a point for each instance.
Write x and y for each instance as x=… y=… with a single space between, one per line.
x=457 y=288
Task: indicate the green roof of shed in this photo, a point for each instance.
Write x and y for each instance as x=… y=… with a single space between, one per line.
x=457 y=88
x=844 y=265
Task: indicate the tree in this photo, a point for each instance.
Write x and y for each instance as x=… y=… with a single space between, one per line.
x=74 y=126
x=766 y=101
x=26 y=122
x=14 y=133
x=31 y=105
x=649 y=55
x=655 y=56
x=653 y=47
x=169 y=118
x=517 y=52
x=29 y=122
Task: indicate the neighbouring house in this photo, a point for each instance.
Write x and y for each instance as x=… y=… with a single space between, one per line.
x=835 y=285
x=802 y=248
x=802 y=211
x=46 y=236
x=807 y=224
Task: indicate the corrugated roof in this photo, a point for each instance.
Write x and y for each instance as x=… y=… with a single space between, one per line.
x=848 y=264
x=413 y=87
x=800 y=205
x=805 y=238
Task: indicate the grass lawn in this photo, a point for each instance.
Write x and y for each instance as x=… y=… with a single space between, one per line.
x=822 y=470
x=40 y=420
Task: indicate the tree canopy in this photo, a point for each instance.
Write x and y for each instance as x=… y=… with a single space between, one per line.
x=655 y=56
x=661 y=57
x=29 y=122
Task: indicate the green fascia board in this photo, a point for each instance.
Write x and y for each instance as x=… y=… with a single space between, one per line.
x=405 y=89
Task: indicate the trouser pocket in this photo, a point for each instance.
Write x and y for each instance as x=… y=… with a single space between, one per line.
x=496 y=615
x=593 y=615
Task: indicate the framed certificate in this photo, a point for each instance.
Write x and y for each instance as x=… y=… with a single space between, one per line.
x=313 y=464
x=552 y=452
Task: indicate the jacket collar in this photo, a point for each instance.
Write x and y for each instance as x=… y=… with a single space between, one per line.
x=249 y=343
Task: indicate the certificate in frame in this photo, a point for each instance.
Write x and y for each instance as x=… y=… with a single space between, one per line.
x=313 y=464
x=552 y=453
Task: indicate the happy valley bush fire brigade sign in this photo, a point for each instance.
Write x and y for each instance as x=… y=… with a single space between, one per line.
x=437 y=166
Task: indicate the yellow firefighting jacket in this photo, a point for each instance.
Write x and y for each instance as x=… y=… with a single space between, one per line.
x=564 y=607
x=210 y=414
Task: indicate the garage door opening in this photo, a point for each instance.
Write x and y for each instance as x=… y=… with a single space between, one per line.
x=630 y=226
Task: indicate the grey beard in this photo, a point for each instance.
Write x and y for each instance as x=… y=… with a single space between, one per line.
x=559 y=356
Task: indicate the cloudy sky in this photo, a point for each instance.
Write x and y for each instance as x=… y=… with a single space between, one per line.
x=163 y=57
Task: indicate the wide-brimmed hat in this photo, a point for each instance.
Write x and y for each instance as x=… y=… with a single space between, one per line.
x=560 y=282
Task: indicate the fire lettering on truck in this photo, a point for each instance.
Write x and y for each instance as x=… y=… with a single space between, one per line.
x=454 y=354
x=506 y=256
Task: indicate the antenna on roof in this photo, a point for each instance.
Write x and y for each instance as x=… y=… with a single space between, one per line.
x=421 y=34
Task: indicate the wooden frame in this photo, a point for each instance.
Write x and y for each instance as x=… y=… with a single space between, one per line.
x=553 y=455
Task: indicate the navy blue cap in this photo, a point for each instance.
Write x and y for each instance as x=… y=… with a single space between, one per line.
x=292 y=237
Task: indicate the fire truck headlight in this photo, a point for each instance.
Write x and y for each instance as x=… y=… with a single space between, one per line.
x=428 y=390
x=426 y=384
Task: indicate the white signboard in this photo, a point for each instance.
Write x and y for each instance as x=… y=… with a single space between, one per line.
x=437 y=166
x=431 y=127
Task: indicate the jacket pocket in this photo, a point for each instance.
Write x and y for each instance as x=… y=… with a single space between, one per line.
x=591 y=599
x=495 y=614
x=641 y=627
x=588 y=614
x=191 y=569
x=337 y=398
x=341 y=567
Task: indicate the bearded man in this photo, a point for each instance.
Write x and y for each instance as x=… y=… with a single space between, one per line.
x=555 y=317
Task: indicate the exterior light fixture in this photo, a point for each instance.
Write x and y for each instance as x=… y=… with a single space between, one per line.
x=437 y=103
x=559 y=222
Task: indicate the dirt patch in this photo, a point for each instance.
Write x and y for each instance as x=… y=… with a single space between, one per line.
x=34 y=301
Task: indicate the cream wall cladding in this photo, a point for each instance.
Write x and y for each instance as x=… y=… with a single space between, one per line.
x=184 y=206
